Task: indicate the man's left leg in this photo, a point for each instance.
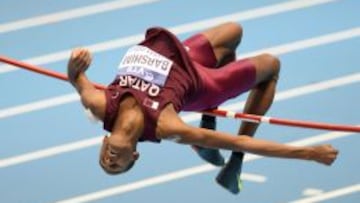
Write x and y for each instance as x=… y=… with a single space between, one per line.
x=258 y=102
x=219 y=45
x=212 y=156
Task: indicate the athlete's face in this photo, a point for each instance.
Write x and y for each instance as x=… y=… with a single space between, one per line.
x=115 y=159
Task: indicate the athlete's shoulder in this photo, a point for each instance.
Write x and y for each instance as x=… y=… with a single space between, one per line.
x=169 y=122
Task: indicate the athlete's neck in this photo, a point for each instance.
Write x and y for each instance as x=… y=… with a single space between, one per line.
x=131 y=119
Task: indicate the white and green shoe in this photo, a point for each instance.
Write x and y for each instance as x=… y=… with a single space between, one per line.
x=229 y=176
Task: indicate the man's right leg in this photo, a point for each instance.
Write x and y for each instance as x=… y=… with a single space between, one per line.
x=259 y=101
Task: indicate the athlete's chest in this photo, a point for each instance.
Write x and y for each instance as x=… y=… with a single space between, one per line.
x=144 y=70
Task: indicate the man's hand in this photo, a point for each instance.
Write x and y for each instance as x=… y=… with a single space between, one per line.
x=78 y=63
x=324 y=154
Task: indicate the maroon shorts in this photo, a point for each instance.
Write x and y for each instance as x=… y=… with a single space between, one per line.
x=218 y=84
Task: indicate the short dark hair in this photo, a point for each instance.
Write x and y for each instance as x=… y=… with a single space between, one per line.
x=114 y=172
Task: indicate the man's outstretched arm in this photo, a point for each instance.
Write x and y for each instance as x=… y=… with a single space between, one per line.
x=172 y=127
x=324 y=154
x=91 y=98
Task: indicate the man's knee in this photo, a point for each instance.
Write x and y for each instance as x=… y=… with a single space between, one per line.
x=236 y=31
x=235 y=28
x=272 y=62
x=267 y=67
x=227 y=35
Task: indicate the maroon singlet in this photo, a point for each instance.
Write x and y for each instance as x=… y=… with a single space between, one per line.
x=180 y=87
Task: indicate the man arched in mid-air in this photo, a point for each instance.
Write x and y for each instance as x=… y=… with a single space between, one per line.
x=162 y=76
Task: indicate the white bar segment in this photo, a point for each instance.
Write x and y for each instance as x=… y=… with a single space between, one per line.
x=265 y=119
x=230 y=114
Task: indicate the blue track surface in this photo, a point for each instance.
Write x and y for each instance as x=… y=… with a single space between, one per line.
x=77 y=173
